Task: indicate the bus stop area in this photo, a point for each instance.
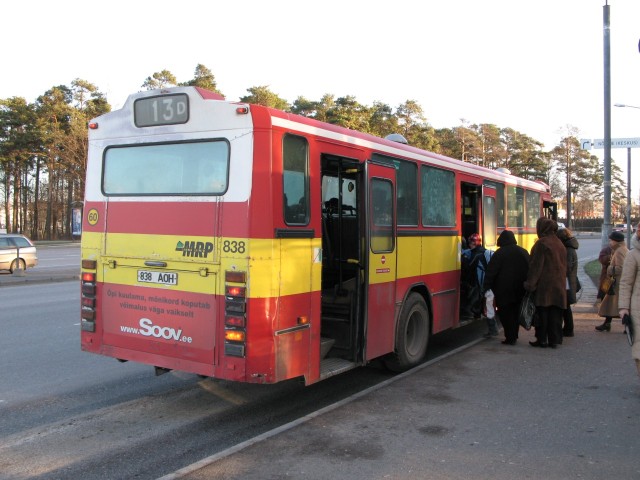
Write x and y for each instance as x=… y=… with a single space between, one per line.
x=486 y=411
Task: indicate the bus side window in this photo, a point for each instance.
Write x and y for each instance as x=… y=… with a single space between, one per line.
x=295 y=177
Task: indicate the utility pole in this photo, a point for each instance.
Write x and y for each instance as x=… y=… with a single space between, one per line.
x=606 y=225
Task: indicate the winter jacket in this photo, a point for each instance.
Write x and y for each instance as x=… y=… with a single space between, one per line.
x=571 y=244
x=629 y=293
x=609 y=306
x=507 y=271
x=547 y=275
x=476 y=260
x=604 y=258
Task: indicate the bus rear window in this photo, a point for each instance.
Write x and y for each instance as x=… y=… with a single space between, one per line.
x=188 y=168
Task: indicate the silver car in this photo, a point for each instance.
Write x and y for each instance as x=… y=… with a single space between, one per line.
x=17 y=250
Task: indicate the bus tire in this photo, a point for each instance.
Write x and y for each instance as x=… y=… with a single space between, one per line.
x=412 y=335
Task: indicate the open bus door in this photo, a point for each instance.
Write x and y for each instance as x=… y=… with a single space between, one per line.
x=380 y=268
x=489 y=217
x=550 y=209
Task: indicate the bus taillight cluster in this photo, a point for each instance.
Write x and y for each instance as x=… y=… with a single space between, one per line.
x=88 y=296
x=235 y=313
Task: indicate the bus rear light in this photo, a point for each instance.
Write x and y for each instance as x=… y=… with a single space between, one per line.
x=88 y=297
x=235 y=307
x=235 y=321
x=88 y=277
x=93 y=125
x=234 y=349
x=89 y=264
x=88 y=302
x=87 y=326
x=242 y=110
x=234 y=335
x=232 y=291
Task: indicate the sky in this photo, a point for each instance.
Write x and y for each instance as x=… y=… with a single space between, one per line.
x=534 y=66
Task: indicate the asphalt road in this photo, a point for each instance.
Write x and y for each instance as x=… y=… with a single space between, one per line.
x=69 y=414
x=65 y=413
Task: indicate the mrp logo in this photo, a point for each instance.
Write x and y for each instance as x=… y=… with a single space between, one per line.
x=194 y=249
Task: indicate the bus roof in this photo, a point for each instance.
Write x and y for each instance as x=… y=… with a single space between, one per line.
x=308 y=125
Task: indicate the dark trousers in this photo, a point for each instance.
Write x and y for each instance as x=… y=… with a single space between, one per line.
x=509 y=320
x=549 y=325
x=567 y=316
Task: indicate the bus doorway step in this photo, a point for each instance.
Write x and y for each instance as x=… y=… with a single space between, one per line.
x=466 y=321
x=325 y=346
x=334 y=366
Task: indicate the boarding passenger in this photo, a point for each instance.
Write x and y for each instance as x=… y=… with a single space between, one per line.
x=547 y=277
x=474 y=265
x=505 y=276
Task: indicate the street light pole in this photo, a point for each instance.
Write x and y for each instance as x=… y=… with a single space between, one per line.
x=628 y=182
x=629 y=198
x=606 y=225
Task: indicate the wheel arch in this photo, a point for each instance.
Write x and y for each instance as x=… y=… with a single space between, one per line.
x=422 y=290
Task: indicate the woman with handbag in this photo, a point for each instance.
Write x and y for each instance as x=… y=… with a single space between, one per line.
x=609 y=306
x=629 y=299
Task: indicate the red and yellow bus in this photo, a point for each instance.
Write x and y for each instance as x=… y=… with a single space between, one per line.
x=244 y=243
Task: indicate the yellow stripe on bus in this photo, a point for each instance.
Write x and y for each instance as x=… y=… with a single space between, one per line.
x=275 y=267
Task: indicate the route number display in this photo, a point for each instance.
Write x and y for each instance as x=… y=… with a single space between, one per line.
x=161 y=110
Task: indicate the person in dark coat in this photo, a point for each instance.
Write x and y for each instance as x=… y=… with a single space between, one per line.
x=547 y=277
x=505 y=276
x=604 y=257
x=571 y=245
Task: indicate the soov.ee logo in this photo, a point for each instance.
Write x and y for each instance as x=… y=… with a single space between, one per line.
x=148 y=329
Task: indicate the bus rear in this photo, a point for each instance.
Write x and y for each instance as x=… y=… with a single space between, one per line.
x=165 y=229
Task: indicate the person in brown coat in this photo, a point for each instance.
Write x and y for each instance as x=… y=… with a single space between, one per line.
x=629 y=299
x=609 y=306
x=547 y=277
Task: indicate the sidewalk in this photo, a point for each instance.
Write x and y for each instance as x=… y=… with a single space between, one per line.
x=37 y=275
x=491 y=411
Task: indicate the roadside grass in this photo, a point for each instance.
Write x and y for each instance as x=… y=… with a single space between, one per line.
x=593 y=270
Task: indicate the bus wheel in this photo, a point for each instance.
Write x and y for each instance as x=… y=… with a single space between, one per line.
x=412 y=335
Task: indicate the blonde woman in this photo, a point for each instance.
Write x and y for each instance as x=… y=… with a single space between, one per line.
x=629 y=298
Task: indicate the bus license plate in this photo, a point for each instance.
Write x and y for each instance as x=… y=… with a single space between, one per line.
x=163 y=278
